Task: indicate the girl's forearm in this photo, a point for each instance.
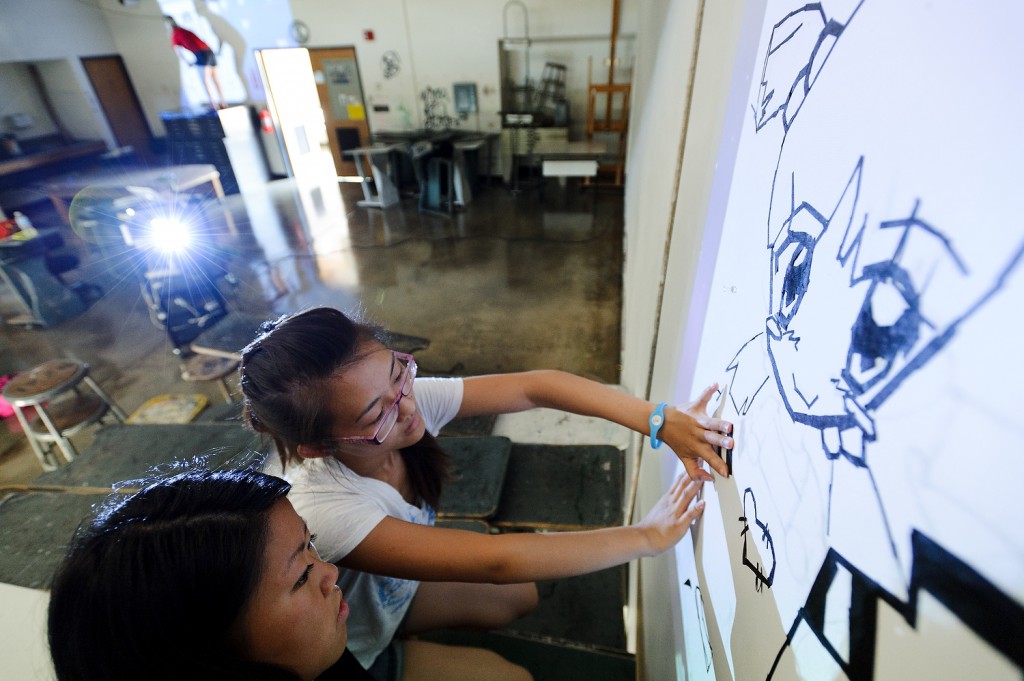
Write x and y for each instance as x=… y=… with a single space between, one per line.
x=578 y=395
x=687 y=429
x=528 y=557
x=409 y=551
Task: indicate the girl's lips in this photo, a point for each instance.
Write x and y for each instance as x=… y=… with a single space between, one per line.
x=413 y=422
x=342 y=611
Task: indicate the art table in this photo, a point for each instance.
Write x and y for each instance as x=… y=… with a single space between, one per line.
x=47 y=301
x=568 y=159
x=380 y=161
x=167 y=180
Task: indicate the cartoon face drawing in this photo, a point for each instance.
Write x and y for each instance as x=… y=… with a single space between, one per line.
x=831 y=259
x=804 y=255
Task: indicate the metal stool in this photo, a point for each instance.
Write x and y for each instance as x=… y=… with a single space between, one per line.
x=57 y=419
x=198 y=368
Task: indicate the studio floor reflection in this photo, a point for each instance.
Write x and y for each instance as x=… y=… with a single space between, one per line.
x=512 y=281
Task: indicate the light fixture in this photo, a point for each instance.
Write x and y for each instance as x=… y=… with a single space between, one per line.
x=169 y=235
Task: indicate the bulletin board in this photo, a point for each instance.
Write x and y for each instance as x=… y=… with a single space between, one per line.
x=864 y=317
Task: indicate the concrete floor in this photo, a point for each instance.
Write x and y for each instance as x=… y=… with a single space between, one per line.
x=513 y=281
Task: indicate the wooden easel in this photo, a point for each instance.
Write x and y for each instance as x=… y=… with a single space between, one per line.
x=610 y=123
x=616 y=107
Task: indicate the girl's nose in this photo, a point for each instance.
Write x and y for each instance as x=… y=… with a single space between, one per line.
x=406 y=406
x=329 y=576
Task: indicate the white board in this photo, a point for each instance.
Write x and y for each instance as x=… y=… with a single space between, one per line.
x=864 y=312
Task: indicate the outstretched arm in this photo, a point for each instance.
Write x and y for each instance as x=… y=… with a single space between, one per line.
x=409 y=551
x=688 y=429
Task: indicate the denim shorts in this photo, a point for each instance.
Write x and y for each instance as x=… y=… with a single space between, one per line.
x=206 y=58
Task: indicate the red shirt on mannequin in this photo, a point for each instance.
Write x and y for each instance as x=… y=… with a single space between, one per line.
x=183 y=37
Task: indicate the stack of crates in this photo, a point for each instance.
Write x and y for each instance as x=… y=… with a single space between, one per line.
x=198 y=137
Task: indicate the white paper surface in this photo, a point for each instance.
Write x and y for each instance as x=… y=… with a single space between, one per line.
x=866 y=312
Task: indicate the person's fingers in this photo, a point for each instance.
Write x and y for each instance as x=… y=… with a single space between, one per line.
x=705 y=397
x=716 y=439
x=694 y=470
x=716 y=462
x=694 y=512
x=690 y=491
x=718 y=425
x=675 y=492
x=678 y=486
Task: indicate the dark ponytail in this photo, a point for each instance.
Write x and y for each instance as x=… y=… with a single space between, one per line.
x=428 y=468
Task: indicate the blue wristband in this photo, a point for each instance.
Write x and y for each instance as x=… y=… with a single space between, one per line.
x=656 y=421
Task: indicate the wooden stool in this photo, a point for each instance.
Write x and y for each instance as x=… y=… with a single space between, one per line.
x=199 y=368
x=57 y=419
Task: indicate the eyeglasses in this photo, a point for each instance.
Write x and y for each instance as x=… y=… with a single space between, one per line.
x=390 y=418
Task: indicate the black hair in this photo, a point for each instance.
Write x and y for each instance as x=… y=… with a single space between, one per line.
x=156 y=585
x=285 y=376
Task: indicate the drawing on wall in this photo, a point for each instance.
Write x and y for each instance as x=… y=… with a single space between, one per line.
x=390 y=64
x=874 y=199
x=435 y=110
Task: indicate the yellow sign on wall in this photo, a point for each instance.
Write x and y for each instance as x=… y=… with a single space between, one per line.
x=356 y=112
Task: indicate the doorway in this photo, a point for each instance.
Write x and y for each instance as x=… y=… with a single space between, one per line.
x=120 y=104
x=295 y=110
x=336 y=72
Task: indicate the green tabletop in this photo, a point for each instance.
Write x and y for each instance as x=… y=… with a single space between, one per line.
x=478 y=475
x=562 y=487
x=35 y=527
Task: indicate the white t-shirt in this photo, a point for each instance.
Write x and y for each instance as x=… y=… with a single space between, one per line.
x=341 y=507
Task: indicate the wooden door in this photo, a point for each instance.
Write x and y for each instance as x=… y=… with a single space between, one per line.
x=336 y=73
x=120 y=104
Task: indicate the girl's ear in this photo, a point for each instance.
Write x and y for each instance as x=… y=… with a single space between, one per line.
x=313 y=451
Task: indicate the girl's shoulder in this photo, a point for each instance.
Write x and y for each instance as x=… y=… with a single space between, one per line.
x=321 y=475
x=442 y=384
x=329 y=483
x=439 y=400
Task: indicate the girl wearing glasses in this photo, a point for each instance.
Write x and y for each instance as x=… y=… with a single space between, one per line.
x=332 y=395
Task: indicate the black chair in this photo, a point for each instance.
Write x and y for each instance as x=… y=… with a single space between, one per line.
x=61 y=260
x=183 y=304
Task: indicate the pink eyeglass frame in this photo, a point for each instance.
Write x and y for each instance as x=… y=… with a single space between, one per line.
x=408 y=376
